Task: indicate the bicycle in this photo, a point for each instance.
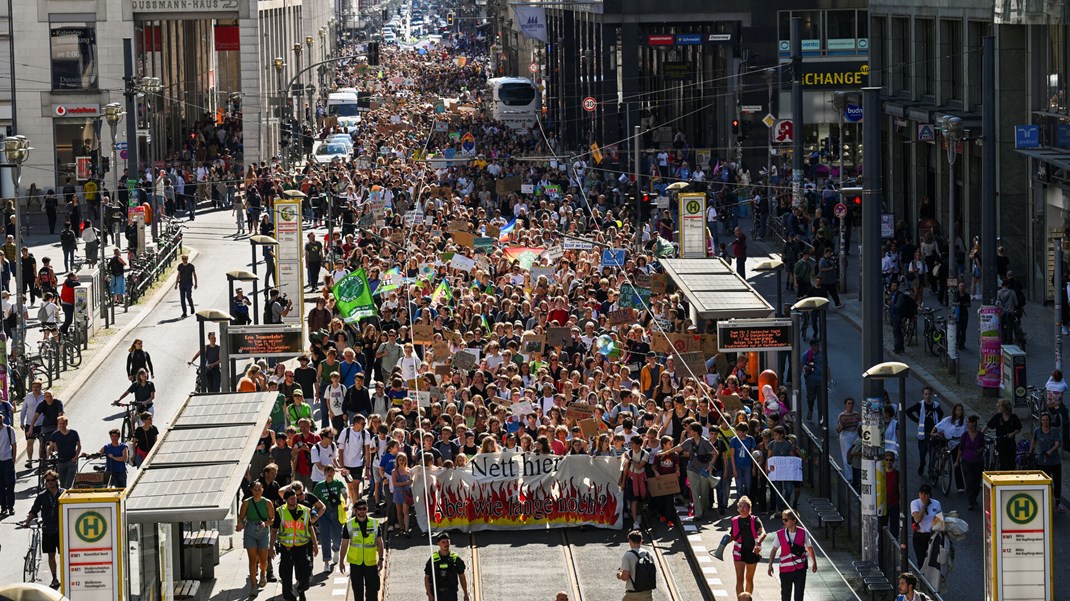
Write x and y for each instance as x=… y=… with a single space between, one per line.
x=43 y=466
x=54 y=347
x=934 y=332
x=991 y=455
x=31 y=562
x=201 y=384
x=97 y=478
x=910 y=330
x=20 y=386
x=941 y=464
x=131 y=420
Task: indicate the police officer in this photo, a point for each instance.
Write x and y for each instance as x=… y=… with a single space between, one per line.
x=294 y=533
x=362 y=547
x=443 y=571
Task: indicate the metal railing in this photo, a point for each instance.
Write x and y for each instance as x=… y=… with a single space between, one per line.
x=888 y=560
x=147 y=269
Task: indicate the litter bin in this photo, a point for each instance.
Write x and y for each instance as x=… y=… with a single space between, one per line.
x=1012 y=380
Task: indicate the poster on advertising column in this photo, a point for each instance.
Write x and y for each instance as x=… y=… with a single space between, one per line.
x=521 y=491
x=990 y=353
x=289 y=256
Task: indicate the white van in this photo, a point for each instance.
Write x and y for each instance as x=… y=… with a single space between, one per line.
x=343 y=106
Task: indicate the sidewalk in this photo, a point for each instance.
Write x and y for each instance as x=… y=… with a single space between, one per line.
x=1038 y=324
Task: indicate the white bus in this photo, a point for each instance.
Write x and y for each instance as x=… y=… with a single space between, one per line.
x=514 y=101
x=344 y=106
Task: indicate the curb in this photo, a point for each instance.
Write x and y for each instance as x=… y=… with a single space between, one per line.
x=89 y=367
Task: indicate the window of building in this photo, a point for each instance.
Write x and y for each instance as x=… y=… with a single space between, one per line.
x=951 y=58
x=924 y=62
x=897 y=66
x=1055 y=75
x=876 y=41
x=840 y=30
x=862 y=29
x=74 y=56
x=77 y=147
x=977 y=31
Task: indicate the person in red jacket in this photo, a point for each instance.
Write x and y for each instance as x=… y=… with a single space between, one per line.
x=66 y=300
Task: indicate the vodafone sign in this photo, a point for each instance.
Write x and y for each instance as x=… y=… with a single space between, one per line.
x=76 y=110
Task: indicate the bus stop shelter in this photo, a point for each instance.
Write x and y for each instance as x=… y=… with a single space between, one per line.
x=178 y=505
x=715 y=291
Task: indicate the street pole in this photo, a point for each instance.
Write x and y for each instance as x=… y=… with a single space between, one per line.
x=953 y=134
x=872 y=288
x=839 y=102
x=823 y=407
x=131 y=126
x=638 y=189
x=770 y=79
x=1060 y=289
x=988 y=198
x=795 y=370
x=798 y=123
x=20 y=303
x=904 y=506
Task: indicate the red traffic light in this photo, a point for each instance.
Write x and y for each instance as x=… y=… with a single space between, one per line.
x=857 y=200
x=735 y=126
x=646 y=197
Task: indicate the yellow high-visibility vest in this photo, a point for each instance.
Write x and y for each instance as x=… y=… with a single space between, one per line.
x=362 y=549
x=294 y=530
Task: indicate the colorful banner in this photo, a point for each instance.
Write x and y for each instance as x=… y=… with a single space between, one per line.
x=521 y=491
x=353 y=297
x=991 y=352
x=442 y=293
x=524 y=255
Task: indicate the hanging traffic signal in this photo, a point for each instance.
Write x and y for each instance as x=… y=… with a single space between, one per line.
x=852 y=197
x=744 y=129
x=735 y=126
x=647 y=197
x=449 y=18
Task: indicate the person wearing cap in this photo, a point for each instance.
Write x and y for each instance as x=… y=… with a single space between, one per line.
x=443 y=572
x=291 y=535
x=363 y=550
x=923 y=512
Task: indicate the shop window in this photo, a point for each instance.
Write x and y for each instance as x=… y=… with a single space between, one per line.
x=951 y=57
x=74 y=56
x=77 y=148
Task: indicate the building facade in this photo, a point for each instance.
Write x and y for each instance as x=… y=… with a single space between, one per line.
x=927 y=59
x=213 y=57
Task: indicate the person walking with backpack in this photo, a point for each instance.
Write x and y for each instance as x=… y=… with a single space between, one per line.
x=793 y=544
x=68 y=241
x=638 y=570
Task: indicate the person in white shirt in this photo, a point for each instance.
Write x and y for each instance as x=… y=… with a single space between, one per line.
x=333 y=394
x=323 y=454
x=355 y=451
x=923 y=512
x=30 y=421
x=409 y=363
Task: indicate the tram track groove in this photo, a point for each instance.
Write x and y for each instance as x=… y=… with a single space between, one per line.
x=476 y=584
x=570 y=566
x=663 y=567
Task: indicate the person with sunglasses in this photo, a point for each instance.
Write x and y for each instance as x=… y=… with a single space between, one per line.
x=46 y=505
x=363 y=550
x=793 y=544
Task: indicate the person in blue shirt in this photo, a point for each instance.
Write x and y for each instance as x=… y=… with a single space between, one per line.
x=116 y=454
x=742 y=445
x=349 y=368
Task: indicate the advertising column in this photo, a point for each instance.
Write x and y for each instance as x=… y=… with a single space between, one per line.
x=991 y=351
x=289 y=257
x=91 y=546
x=872 y=435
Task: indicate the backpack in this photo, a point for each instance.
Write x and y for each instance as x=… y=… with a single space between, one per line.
x=42 y=313
x=645 y=577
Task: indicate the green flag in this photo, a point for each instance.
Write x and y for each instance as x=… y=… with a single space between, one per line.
x=353 y=298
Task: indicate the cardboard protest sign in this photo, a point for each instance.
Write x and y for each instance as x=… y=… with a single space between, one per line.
x=579 y=411
x=484 y=243
x=622 y=316
x=493 y=231
x=533 y=345
x=441 y=350
x=459 y=225
x=785 y=469
x=731 y=403
x=464 y=360
x=643 y=280
x=523 y=408
x=558 y=336
x=686 y=343
x=634 y=296
x=462 y=263
x=465 y=239
x=663 y=485
x=423 y=334
x=536 y=272
x=443 y=370
x=589 y=427
x=695 y=362
x=660 y=345
x=659 y=283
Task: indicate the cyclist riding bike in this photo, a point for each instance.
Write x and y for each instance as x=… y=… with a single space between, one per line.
x=116 y=454
x=46 y=505
x=144 y=392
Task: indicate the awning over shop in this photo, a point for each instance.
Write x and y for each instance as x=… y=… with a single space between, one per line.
x=1059 y=157
x=197 y=465
x=715 y=290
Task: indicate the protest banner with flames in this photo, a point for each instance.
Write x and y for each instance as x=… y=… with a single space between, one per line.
x=521 y=491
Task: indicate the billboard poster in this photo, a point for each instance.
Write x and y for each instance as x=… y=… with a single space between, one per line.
x=521 y=491
x=990 y=353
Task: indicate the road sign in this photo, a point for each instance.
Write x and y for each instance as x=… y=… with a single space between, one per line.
x=533 y=68
x=589 y=104
x=142 y=133
x=750 y=108
x=840 y=210
x=769 y=120
x=784 y=132
x=123 y=154
x=120 y=146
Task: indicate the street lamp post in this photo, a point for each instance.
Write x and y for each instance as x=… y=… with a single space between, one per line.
x=839 y=102
x=279 y=65
x=817 y=308
x=113 y=114
x=299 y=92
x=951 y=128
x=16 y=151
x=887 y=371
x=152 y=88
x=255 y=241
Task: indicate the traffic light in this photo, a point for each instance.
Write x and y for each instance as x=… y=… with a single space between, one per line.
x=744 y=129
x=735 y=126
x=373 y=54
x=105 y=165
x=449 y=18
x=852 y=197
